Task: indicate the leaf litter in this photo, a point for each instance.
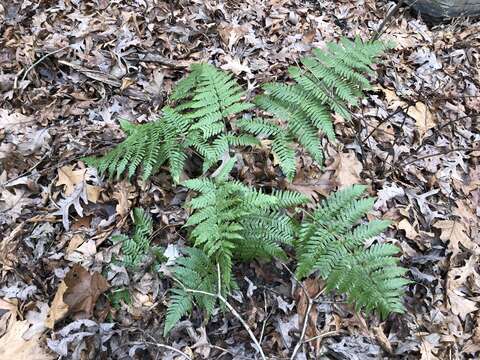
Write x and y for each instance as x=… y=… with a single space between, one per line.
x=71 y=70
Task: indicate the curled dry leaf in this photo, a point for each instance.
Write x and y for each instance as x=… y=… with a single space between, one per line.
x=83 y=291
x=348 y=171
x=12 y=343
x=76 y=295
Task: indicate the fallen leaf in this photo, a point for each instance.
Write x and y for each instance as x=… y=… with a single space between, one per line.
x=348 y=171
x=72 y=178
x=58 y=309
x=460 y=305
x=83 y=291
x=410 y=231
x=124 y=193
x=455 y=232
x=12 y=121
x=313 y=287
x=423 y=118
x=12 y=343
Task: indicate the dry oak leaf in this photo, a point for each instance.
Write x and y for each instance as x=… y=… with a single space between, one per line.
x=455 y=232
x=348 y=171
x=12 y=343
x=83 y=291
x=410 y=231
x=423 y=118
x=124 y=193
x=58 y=309
x=71 y=178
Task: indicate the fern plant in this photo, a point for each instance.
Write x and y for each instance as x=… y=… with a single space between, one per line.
x=327 y=82
x=230 y=221
x=329 y=243
x=135 y=248
x=194 y=271
x=198 y=120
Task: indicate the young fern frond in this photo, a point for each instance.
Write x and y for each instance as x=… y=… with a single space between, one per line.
x=230 y=221
x=327 y=82
x=204 y=103
x=194 y=271
x=136 y=247
x=329 y=243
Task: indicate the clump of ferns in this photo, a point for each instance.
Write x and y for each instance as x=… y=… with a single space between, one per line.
x=204 y=105
x=198 y=120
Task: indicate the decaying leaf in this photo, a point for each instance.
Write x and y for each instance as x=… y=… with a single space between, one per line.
x=348 y=171
x=83 y=291
x=423 y=118
x=455 y=233
x=12 y=342
x=76 y=295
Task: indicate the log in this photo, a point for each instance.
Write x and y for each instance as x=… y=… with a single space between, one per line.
x=445 y=9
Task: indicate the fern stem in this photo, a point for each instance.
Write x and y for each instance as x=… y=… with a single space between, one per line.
x=235 y=313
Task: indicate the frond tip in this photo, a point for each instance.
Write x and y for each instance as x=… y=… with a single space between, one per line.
x=331 y=244
x=328 y=82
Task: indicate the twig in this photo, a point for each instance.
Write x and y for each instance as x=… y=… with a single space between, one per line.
x=25 y=73
x=180 y=352
x=394 y=11
x=307 y=312
x=235 y=313
x=325 y=334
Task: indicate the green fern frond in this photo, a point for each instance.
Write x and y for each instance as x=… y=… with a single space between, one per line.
x=194 y=271
x=327 y=82
x=329 y=243
x=135 y=248
x=231 y=220
x=148 y=146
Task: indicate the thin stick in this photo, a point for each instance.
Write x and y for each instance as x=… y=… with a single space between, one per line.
x=169 y=348
x=235 y=313
x=25 y=73
x=394 y=11
x=311 y=301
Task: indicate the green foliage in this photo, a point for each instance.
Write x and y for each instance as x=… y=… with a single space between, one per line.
x=203 y=104
x=136 y=247
x=119 y=296
x=198 y=272
x=327 y=82
x=230 y=221
x=329 y=243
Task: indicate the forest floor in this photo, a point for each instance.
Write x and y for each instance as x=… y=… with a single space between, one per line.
x=69 y=70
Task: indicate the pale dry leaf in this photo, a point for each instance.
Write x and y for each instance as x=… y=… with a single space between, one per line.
x=234 y=65
x=424 y=119
x=36 y=319
x=13 y=120
x=455 y=233
x=58 y=309
x=348 y=171
x=72 y=178
x=13 y=346
x=124 y=193
x=460 y=305
x=410 y=231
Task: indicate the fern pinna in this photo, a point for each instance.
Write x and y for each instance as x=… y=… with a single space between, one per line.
x=330 y=244
x=229 y=221
x=198 y=121
x=328 y=81
x=135 y=248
